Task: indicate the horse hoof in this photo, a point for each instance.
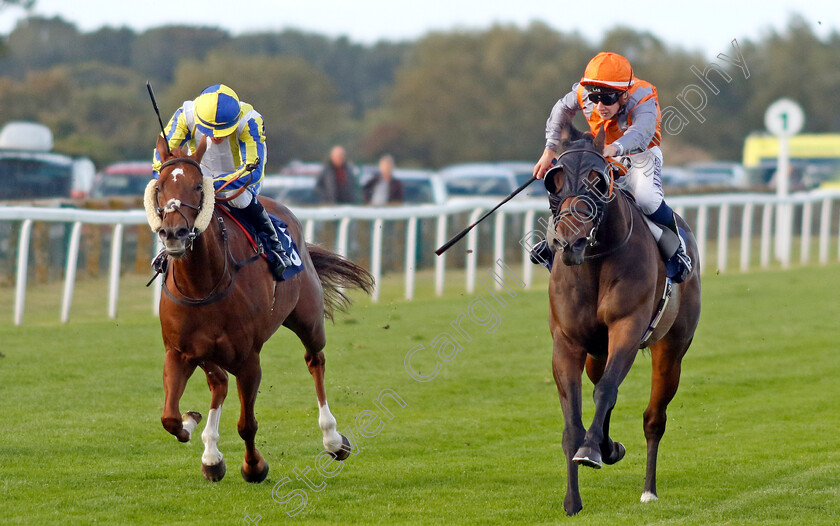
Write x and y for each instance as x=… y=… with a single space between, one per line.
x=214 y=473
x=345 y=450
x=259 y=474
x=572 y=506
x=617 y=453
x=648 y=497
x=587 y=456
x=195 y=415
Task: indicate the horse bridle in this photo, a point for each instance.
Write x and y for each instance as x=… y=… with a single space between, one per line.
x=559 y=213
x=174 y=205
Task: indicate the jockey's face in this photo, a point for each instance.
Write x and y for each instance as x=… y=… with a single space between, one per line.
x=607 y=112
x=218 y=140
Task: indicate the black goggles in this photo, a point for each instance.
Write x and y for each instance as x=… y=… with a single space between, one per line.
x=608 y=98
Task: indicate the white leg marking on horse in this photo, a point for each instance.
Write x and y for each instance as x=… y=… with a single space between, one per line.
x=189 y=423
x=649 y=497
x=210 y=437
x=332 y=438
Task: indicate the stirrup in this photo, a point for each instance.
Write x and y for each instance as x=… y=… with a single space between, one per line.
x=541 y=254
x=160 y=262
x=678 y=268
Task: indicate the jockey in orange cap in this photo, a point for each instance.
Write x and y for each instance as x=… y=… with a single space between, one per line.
x=628 y=110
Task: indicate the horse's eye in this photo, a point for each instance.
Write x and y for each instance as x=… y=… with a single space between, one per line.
x=198 y=187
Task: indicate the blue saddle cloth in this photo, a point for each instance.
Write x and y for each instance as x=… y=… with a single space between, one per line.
x=283 y=235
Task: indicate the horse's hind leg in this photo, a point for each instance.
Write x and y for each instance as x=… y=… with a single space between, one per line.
x=176 y=371
x=212 y=461
x=254 y=467
x=611 y=451
x=666 y=358
x=314 y=338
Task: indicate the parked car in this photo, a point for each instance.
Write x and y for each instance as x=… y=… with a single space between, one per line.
x=122 y=179
x=717 y=173
x=471 y=180
x=294 y=190
x=524 y=170
x=421 y=186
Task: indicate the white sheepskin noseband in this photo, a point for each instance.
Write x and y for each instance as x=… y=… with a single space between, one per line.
x=204 y=214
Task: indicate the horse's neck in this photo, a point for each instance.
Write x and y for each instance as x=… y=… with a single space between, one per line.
x=618 y=221
x=204 y=265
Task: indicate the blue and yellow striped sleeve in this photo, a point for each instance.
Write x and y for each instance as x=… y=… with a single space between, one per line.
x=178 y=135
x=252 y=150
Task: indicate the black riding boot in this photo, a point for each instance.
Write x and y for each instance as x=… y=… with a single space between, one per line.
x=255 y=213
x=673 y=249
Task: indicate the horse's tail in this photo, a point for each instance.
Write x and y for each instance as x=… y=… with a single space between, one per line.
x=337 y=274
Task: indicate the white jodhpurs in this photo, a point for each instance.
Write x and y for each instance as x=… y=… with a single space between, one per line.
x=644 y=178
x=242 y=200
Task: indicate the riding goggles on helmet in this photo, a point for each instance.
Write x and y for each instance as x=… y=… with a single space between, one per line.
x=607 y=97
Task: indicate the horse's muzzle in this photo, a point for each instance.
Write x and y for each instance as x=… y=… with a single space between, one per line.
x=573 y=254
x=175 y=240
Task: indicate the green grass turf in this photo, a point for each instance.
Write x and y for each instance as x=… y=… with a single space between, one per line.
x=750 y=440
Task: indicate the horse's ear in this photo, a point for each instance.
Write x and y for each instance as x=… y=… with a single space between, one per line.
x=554 y=179
x=162 y=148
x=568 y=135
x=598 y=142
x=199 y=151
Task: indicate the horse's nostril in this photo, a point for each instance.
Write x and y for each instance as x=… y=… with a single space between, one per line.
x=579 y=244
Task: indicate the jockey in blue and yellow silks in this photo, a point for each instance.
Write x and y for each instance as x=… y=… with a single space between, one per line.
x=235 y=155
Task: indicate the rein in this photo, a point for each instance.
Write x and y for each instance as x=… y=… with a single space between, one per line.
x=599 y=205
x=204 y=217
x=214 y=295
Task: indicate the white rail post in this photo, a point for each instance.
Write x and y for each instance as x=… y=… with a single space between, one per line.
x=309 y=230
x=341 y=242
x=114 y=270
x=499 y=241
x=410 y=256
x=472 y=250
x=723 y=237
x=440 y=261
x=527 y=267
x=746 y=236
x=702 y=228
x=825 y=229
x=22 y=269
x=805 y=242
x=376 y=257
x=70 y=271
x=766 y=234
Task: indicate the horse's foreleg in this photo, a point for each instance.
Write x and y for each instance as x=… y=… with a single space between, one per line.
x=568 y=368
x=212 y=461
x=622 y=353
x=611 y=452
x=665 y=379
x=254 y=467
x=334 y=442
x=176 y=372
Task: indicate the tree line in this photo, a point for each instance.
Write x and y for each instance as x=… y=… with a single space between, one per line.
x=446 y=97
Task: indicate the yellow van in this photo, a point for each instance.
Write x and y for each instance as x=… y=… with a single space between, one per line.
x=814 y=157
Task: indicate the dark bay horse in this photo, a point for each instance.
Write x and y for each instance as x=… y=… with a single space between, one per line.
x=602 y=301
x=222 y=304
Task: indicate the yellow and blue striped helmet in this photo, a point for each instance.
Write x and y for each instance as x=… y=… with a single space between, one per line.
x=217 y=111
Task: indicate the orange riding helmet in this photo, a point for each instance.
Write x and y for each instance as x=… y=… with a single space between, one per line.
x=608 y=71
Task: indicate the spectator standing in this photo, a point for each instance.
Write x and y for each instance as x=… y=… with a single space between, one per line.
x=383 y=189
x=336 y=183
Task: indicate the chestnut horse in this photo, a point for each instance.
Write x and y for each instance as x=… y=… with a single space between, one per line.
x=602 y=301
x=222 y=304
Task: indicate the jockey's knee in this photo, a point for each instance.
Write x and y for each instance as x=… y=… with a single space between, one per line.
x=242 y=200
x=650 y=203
